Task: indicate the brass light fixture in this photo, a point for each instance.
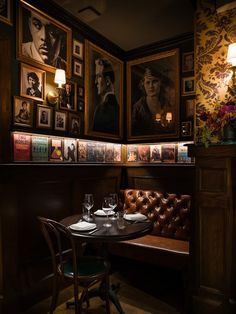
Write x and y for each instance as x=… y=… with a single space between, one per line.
x=60 y=79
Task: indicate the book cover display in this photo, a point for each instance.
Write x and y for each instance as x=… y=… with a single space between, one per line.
x=70 y=150
x=39 y=148
x=22 y=147
x=132 y=153
x=82 y=151
x=56 y=150
x=155 y=153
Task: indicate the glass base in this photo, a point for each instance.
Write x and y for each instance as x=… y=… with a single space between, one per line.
x=107 y=225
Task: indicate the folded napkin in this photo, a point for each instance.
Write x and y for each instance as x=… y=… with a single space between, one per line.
x=100 y=212
x=83 y=225
x=135 y=217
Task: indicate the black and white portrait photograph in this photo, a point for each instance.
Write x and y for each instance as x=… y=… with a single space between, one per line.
x=5 y=11
x=153 y=96
x=32 y=82
x=188 y=85
x=70 y=150
x=104 y=93
x=78 y=49
x=74 y=124
x=78 y=68
x=44 y=117
x=60 y=121
x=188 y=62
x=43 y=40
x=69 y=96
x=23 y=111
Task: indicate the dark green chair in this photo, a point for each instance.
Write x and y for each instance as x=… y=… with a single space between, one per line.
x=81 y=271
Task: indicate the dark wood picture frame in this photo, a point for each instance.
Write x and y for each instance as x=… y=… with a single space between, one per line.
x=69 y=101
x=103 y=121
x=23 y=111
x=44 y=117
x=42 y=56
x=74 y=124
x=6 y=12
x=32 y=82
x=163 y=120
x=188 y=61
x=60 y=120
x=188 y=85
x=78 y=68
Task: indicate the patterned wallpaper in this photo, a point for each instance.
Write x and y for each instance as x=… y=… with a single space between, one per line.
x=214 y=32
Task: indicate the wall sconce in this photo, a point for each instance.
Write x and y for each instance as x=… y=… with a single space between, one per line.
x=231 y=58
x=164 y=122
x=60 y=79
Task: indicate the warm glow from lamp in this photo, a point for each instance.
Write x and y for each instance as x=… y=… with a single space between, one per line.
x=231 y=56
x=60 y=77
x=169 y=117
x=158 y=117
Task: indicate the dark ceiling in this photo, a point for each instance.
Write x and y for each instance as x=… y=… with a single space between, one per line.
x=131 y=24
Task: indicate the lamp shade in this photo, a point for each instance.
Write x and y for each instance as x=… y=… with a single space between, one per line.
x=169 y=116
x=231 y=56
x=60 y=77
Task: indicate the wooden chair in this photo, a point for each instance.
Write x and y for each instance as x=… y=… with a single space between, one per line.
x=83 y=271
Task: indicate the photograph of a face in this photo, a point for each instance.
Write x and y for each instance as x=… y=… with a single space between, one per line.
x=188 y=85
x=103 y=93
x=74 y=124
x=60 y=120
x=32 y=82
x=43 y=40
x=153 y=96
x=23 y=111
x=188 y=61
x=78 y=48
x=44 y=117
x=69 y=96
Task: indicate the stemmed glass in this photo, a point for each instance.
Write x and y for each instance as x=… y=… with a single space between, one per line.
x=106 y=208
x=113 y=202
x=88 y=203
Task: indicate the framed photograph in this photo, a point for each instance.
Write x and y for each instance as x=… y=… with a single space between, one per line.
x=60 y=122
x=44 y=117
x=68 y=99
x=74 y=124
x=78 y=49
x=43 y=40
x=190 y=108
x=32 y=82
x=103 y=106
x=188 y=61
x=153 y=96
x=81 y=92
x=186 y=128
x=23 y=111
x=188 y=85
x=78 y=68
x=80 y=105
x=6 y=11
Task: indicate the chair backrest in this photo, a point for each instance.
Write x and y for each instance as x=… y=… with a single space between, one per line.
x=55 y=234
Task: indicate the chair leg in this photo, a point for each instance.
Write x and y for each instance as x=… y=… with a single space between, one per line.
x=55 y=293
x=77 y=306
x=107 y=285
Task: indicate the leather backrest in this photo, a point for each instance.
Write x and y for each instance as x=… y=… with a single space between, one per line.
x=170 y=213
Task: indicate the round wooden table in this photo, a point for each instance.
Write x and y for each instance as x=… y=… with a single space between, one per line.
x=105 y=235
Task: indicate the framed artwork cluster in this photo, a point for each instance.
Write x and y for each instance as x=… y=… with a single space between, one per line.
x=188 y=94
x=6 y=11
x=78 y=54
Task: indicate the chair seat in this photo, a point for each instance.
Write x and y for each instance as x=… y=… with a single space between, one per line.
x=88 y=266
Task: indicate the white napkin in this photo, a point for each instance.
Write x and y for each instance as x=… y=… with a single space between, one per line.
x=135 y=217
x=100 y=212
x=83 y=225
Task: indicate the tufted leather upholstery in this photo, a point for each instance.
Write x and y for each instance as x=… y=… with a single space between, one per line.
x=170 y=213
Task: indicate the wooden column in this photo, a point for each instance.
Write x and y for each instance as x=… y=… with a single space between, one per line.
x=215 y=229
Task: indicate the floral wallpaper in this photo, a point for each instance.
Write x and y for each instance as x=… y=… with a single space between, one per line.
x=214 y=32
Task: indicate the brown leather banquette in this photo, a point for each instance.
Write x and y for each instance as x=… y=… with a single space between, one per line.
x=168 y=244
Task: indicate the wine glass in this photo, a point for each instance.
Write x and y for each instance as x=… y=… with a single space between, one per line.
x=106 y=208
x=113 y=202
x=88 y=203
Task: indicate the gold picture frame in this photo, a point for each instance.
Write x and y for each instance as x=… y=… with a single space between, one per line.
x=23 y=112
x=32 y=82
x=33 y=49
x=6 y=12
x=44 y=117
x=160 y=118
x=103 y=116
